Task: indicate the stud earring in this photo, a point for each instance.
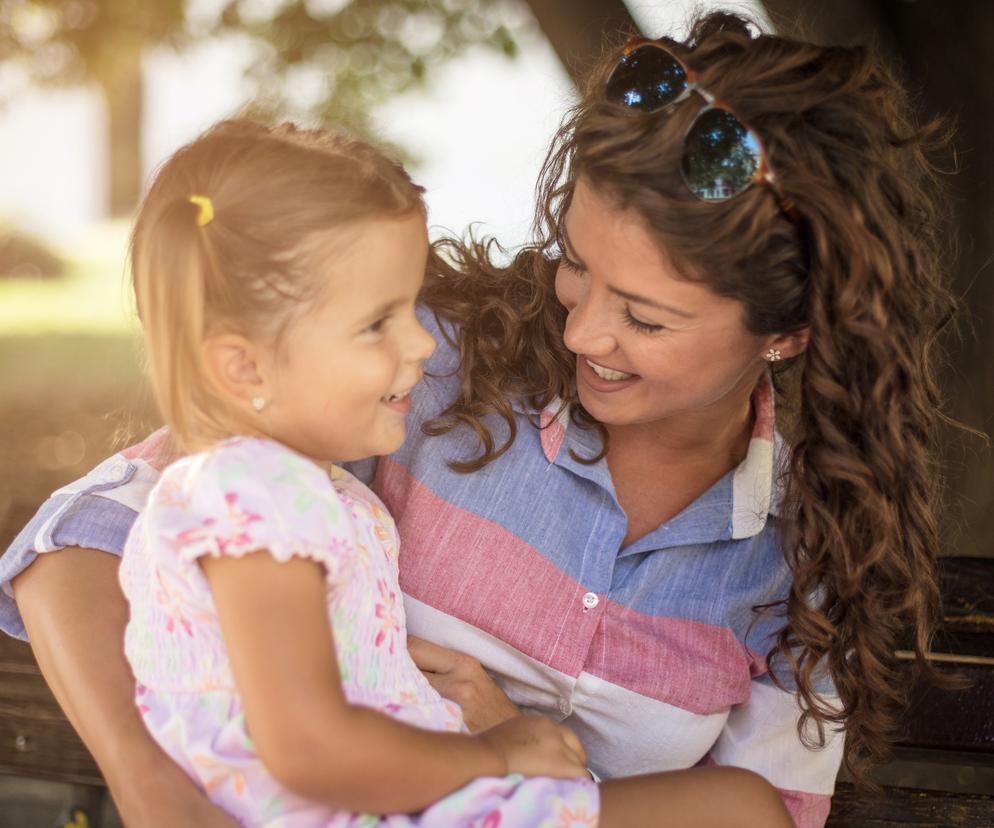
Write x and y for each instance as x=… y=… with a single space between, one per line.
x=258 y=403
x=772 y=355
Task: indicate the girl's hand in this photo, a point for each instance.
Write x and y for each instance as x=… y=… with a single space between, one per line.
x=462 y=679
x=534 y=746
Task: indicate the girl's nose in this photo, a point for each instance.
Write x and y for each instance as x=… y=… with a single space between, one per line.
x=422 y=344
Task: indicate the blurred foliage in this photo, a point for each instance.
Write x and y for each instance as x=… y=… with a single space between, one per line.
x=24 y=257
x=76 y=41
x=314 y=58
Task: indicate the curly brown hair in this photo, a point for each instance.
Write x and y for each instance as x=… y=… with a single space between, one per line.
x=861 y=270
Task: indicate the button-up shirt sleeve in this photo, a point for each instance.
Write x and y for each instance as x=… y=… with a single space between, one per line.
x=761 y=735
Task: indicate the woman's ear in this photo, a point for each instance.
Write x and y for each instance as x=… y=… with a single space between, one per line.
x=787 y=345
x=235 y=366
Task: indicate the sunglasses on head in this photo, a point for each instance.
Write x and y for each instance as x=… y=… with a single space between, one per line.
x=722 y=156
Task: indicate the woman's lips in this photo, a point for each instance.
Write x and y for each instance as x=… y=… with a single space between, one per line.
x=598 y=383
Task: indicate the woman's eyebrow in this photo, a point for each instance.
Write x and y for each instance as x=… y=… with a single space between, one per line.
x=652 y=303
x=569 y=251
x=624 y=294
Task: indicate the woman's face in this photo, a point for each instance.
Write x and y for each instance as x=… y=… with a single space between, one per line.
x=650 y=346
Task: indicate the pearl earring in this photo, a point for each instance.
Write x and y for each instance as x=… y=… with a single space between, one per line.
x=772 y=355
x=258 y=403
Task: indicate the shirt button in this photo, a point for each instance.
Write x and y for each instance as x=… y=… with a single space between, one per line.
x=590 y=600
x=565 y=707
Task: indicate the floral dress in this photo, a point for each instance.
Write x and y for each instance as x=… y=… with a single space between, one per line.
x=250 y=494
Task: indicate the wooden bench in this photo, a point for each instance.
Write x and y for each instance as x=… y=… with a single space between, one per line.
x=942 y=774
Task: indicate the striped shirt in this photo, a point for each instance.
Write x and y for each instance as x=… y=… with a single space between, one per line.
x=651 y=652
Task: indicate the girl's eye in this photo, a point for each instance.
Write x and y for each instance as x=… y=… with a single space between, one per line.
x=377 y=326
x=638 y=324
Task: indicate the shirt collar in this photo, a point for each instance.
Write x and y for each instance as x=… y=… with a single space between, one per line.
x=750 y=493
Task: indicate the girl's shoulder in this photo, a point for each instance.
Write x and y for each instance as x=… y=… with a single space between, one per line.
x=245 y=459
x=248 y=494
x=274 y=481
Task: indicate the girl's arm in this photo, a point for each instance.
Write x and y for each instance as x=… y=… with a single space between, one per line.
x=75 y=616
x=275 y=624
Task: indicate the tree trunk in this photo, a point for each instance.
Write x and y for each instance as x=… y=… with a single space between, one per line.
x=578 y=30
x=122 y=88
x=946 y=53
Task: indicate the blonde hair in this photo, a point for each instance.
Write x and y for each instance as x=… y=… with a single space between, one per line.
x=251 y=268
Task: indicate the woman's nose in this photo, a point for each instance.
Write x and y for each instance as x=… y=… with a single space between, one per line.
x=588 y=329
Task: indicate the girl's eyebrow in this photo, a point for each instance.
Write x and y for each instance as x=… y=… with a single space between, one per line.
x=384 y=308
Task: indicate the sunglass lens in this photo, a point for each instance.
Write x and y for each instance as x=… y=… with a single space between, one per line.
x=647 y=78
x=720 y=155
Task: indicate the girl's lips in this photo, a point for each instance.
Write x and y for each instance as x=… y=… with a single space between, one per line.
x=596 y=383
x=402 y=406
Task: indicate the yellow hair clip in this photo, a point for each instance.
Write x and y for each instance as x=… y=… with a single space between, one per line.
x=206 y=214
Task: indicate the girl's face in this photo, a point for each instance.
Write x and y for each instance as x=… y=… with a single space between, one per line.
x=341 y=383
x=650 y=347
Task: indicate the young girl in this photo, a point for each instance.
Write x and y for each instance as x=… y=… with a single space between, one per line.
x=276 y=273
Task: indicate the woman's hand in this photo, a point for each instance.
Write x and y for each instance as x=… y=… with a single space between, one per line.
x=462 y=679
x=534 y=746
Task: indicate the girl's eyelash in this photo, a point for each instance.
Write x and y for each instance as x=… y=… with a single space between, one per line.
x=638 y=324
x=377 y=326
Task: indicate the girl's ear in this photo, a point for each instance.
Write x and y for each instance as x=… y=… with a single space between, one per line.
x=789 y=345
x=235 y=366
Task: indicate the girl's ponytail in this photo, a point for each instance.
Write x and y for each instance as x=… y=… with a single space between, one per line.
x=172 y=266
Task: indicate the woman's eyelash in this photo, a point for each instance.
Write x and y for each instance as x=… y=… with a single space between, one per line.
x=569 y=264
x=638 y=324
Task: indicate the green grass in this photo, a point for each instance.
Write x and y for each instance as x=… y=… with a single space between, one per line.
x=71 y=383
x=92 y=298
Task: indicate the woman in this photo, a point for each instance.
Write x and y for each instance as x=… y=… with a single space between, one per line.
x=598 y=508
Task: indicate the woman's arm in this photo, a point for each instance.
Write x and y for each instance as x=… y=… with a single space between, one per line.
x=275 y=625
x=75 y=616
x=462 y=679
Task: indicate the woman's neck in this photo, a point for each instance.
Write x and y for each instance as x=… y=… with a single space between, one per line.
x=716 y=436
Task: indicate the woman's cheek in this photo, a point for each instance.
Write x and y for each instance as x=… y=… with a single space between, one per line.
x=565 y=292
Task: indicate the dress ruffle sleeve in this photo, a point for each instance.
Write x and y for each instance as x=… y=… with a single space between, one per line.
x=249 y=495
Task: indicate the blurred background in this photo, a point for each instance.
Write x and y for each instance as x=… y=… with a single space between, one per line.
x=94 y=94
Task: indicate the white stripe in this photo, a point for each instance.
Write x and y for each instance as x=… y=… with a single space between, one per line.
x=761 y=735
x=134 y=493
x=751 y=487
x=624 y=732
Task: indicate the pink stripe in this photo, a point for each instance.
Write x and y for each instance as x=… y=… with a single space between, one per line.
x=505 y=587
x=552 y=434
x=762 y=406
x=698 y=667
x=808 y=810
x=498 y=583
x=156 y=450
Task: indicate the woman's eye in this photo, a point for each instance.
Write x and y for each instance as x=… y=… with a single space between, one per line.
x=638 y=325
x=570 y=265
